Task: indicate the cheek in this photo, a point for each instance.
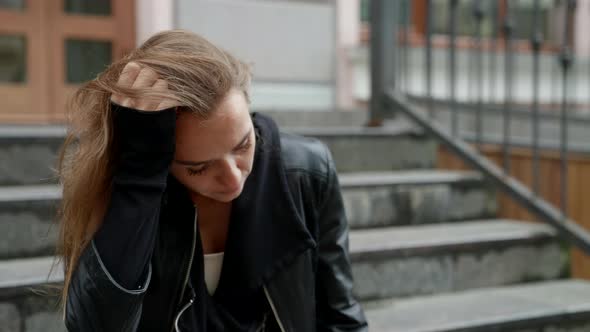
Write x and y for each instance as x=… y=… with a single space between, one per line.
x=245 y=164
x=200 y=183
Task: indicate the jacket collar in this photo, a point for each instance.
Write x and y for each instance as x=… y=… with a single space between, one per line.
x=266 y=229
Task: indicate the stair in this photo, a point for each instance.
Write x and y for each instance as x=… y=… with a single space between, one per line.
x=398 y=198
x=396 y=147
x=417 y=260
x=303 y=119
x=27 y=220
x=26 y=159
x=427 y=249
x=371 y=199
x=27 y=301
x=546 y=306
x=27 y=154
x=429 y=255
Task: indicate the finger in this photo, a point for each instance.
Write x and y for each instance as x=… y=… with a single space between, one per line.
x=162 y=85
x=128 y=75
x=152 y=103
x=126 y=79
x=122 y=100
x=145 y=79
x=166 y=103
x=117 y=99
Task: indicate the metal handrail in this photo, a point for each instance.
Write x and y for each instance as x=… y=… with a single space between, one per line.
x=389 y=96
x=521 y=193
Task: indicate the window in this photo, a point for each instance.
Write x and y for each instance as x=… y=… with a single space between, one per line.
x=13 y=55
x=12 y=4
x=85 y=59
x=85 y=7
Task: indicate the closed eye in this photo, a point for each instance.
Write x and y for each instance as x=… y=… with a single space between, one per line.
x=192 y=172
x=243 y=147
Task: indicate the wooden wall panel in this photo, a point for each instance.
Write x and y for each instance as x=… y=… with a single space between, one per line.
x=521 y=167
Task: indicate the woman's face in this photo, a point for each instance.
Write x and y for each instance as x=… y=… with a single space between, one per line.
x=214 y=157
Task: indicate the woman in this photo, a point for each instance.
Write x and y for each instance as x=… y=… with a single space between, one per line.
x=182 y=211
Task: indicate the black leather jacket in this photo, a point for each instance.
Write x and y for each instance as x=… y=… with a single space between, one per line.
x=307 y=280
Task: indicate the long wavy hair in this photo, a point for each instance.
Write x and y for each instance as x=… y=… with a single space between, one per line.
x=199 y=76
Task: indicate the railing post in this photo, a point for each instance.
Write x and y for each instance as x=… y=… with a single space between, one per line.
x=453 y=6
x=494 y=53
x=402 y=73
x=536 y=40
x=566 y=61
x=479 y=15
x=428 y=58
x=508 y=28
x=383 y=55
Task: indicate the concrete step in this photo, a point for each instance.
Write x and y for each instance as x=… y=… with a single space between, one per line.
x=27 y=213
x=557 y=306
x=295 y=118
x=547 y=306
x=415 y=260
x=376 y=199
x=27 y=154
x=28 y=296
x=27 y=220
x=398 y=146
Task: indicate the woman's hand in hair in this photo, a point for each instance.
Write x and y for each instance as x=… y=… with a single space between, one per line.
x=135 y=77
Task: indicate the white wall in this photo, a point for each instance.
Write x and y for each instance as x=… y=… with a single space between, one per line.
x=152 y=16
x=291 y=45
x=348 y=37
x=299 y=47
x=582 y=26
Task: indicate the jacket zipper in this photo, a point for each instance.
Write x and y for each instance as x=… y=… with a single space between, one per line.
x=188 y=271
x=274 y=310
x=186 y=306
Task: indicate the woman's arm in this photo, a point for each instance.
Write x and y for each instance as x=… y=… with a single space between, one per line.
x=113 y=273
x=127 y=236
x=337 y=309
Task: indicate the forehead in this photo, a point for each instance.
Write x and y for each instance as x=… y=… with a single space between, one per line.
x=203 y=139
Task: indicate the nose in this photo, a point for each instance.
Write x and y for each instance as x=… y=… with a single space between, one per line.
x=231 y=176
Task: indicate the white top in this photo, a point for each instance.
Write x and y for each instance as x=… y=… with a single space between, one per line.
x=213 y=263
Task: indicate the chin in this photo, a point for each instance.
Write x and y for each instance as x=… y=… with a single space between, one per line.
x=226 y=197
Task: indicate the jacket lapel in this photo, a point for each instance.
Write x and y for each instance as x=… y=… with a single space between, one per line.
x=267 y=233
x=266 y=230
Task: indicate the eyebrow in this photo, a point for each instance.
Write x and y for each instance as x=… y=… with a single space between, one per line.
x=199 y=163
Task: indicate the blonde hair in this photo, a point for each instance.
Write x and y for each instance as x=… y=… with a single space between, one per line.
x=199 y=76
